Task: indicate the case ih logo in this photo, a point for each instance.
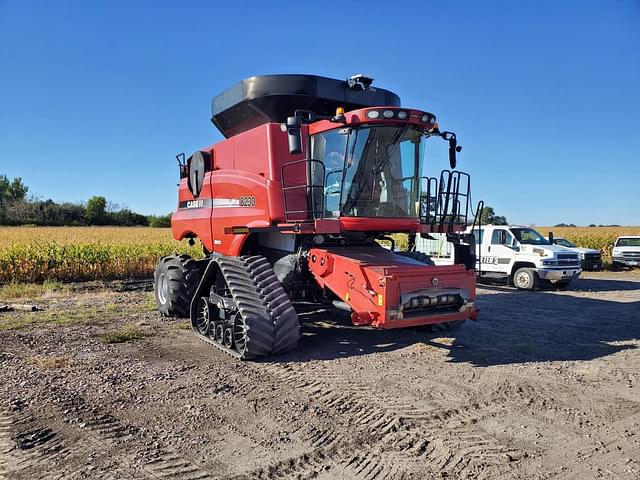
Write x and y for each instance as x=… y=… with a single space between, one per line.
x=195 y=204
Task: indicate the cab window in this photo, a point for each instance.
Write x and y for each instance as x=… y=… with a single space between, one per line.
x=478 y=234
x=495 y=238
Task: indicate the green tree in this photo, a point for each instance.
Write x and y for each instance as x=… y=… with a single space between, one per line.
x=488 y=217
x=12 y=191
x=96 y=211
x=160 y=220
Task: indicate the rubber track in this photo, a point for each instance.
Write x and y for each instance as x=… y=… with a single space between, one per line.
x=272 y=323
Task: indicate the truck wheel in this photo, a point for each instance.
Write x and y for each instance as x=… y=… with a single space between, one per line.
x=175 y=281
x=525 y=279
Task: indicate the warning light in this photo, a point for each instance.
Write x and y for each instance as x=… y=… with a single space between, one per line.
x=380 y=299
x=339 y=111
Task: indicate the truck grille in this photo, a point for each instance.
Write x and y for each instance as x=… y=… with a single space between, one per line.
x=568 y=263
x=567 y=256
x=631 y=254
x=592 y=256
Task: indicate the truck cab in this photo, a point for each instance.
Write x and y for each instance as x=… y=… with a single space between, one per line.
x=523 y=257
x=590 y=258
x=626 y=252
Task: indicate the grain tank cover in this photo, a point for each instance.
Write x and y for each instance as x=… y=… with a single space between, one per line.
x=273 y=98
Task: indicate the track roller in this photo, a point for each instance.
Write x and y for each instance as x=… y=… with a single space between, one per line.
x=219 y=334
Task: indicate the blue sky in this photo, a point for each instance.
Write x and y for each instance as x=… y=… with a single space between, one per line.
x=97 y=97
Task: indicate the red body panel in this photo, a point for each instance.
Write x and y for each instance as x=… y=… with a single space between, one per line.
x=261 y=152
x=376 y=283
x=250 y=164
x=246 y=188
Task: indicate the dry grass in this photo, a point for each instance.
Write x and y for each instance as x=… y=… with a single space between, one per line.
x=15 y=290
x=43 y=361
x=125 y=334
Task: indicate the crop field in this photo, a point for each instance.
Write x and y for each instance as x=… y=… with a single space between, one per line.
x=599 y=238
x=36 y=254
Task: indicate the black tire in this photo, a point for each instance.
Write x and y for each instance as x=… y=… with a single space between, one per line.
x=175 y=280
x=615 y=266
x=419 y=256
x=525 y=279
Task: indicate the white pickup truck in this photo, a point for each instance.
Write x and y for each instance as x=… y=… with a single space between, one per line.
x=626 y=252
x=523 y=257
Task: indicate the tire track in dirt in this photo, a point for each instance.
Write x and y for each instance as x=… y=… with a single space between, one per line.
x=46 y=443
x=163 y=462
x=6 y=445
x=407 y=439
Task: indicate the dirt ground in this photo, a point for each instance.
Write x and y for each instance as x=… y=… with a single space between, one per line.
x=544 y=385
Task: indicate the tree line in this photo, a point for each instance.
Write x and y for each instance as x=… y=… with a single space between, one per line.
x=16 y=208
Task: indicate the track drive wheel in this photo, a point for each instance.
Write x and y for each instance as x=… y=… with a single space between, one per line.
x=175 y=280
x=204 y=324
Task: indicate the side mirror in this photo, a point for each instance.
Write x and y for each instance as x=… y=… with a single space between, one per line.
x=503 y=237
x=295 y=136
x=182 y=164
x=551 y=242
x=454 y=148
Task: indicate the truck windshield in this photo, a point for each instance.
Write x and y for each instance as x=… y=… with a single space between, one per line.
x=564 y=242
x=528 y=236
x=371 y=171
x=628 y=242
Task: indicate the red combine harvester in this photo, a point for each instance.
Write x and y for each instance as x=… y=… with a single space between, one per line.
x=289 y=207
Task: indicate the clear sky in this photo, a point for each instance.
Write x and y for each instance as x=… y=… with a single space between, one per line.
x=96 y=97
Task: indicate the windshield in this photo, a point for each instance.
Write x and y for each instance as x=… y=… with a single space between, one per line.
x=528 y=236
x=371 y=171
x=628 y=242
x=564 y=242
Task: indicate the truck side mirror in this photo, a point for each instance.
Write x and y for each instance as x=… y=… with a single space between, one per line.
x=503 y=237
x=294 y=134
x=551 y=238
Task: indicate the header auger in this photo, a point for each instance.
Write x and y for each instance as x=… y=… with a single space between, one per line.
x=289 y=207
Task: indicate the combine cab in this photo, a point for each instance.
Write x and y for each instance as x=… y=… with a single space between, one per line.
x=290 y=207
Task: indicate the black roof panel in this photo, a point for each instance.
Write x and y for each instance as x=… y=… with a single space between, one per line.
x=273 y=98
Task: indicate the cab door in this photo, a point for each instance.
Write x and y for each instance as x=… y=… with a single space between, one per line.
x=499 y=251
